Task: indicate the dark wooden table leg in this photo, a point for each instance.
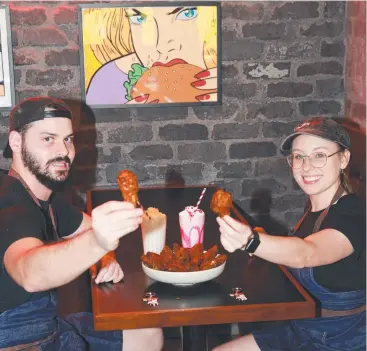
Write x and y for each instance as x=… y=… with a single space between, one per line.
x=194 y=338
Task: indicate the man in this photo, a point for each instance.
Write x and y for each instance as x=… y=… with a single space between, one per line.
x=46 y=243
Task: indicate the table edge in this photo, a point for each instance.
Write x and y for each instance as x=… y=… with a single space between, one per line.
x=229 y=314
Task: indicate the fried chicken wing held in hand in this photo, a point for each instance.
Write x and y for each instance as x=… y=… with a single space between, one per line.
x=221 y=203
x=128 y=185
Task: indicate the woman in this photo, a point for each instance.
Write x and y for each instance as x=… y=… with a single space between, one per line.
x=121 y=43
x=326 y=251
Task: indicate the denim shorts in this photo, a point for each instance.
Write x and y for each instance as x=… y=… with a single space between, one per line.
x=37 y=320
x=76 y=332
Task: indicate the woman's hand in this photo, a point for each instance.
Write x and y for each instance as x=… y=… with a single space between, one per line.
x=206 y=80
x=234 y=234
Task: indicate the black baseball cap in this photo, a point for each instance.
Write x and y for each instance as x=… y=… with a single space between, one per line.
x=32 y=110
x=325 y=128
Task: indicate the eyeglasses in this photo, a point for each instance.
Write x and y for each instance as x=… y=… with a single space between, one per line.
x=317 y=159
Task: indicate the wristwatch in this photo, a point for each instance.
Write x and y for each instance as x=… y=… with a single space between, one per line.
x=253 y=242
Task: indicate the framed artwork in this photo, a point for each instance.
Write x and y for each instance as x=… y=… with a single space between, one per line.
x=150 y=53
x=6 y=61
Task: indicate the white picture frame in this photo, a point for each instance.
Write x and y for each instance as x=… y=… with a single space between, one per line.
x=6 y=61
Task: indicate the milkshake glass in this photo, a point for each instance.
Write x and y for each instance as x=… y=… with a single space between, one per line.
x=153 y=229
x=191 y=226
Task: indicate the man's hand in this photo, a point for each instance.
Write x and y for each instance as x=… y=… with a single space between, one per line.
x=109 y=270
x=114 y=219
x=234 y=234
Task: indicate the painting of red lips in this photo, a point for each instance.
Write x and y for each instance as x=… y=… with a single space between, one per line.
x=169 y=83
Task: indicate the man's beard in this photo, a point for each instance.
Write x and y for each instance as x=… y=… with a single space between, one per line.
x=44 y=176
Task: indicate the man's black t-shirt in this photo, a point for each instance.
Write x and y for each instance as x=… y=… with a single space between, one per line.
x=348 y=216
x=21 y=217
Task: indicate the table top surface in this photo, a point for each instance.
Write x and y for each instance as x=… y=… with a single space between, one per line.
x=273 y=294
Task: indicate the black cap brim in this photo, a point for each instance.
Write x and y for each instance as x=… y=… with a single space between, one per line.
x=8 y=152
x=286 y=145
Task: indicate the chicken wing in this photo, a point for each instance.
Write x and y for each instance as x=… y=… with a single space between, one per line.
x=221 y=203
x=128 y=185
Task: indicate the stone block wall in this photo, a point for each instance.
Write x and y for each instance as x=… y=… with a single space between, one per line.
x=283 y=62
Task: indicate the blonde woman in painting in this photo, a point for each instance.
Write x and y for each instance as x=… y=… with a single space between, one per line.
x=121 y=43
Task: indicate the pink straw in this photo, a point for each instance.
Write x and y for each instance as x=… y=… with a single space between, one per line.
x=200 y=198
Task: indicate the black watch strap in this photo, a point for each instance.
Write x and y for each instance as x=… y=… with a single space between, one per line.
x=253 y=242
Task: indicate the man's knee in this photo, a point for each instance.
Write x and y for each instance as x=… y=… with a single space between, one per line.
x=149 y=339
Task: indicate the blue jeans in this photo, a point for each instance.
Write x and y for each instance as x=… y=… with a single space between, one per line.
x=37 y=320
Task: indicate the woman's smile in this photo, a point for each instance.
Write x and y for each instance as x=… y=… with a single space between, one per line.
x=308 y=180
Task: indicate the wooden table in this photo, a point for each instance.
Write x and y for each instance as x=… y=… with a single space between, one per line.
x=273 y=294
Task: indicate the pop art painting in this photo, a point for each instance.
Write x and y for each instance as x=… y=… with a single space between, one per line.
x=164 y=53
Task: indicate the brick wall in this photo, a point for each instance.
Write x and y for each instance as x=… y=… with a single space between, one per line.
x=283 y=62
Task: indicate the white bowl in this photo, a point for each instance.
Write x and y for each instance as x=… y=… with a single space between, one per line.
x=183 y=278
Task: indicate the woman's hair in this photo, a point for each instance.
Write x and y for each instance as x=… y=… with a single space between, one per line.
x=107 y=32
x=207 y=27
x=344 y=176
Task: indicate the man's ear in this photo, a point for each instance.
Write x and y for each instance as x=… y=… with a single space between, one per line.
x=345 y=158
x=15 y=141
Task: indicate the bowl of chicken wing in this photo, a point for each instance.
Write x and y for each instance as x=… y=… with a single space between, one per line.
x=184 y=266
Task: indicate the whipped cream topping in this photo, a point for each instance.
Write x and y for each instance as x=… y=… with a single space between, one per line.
x=191 y=210
x=154 y=215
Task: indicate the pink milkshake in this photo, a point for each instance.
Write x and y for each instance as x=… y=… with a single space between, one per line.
x=191 y=226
